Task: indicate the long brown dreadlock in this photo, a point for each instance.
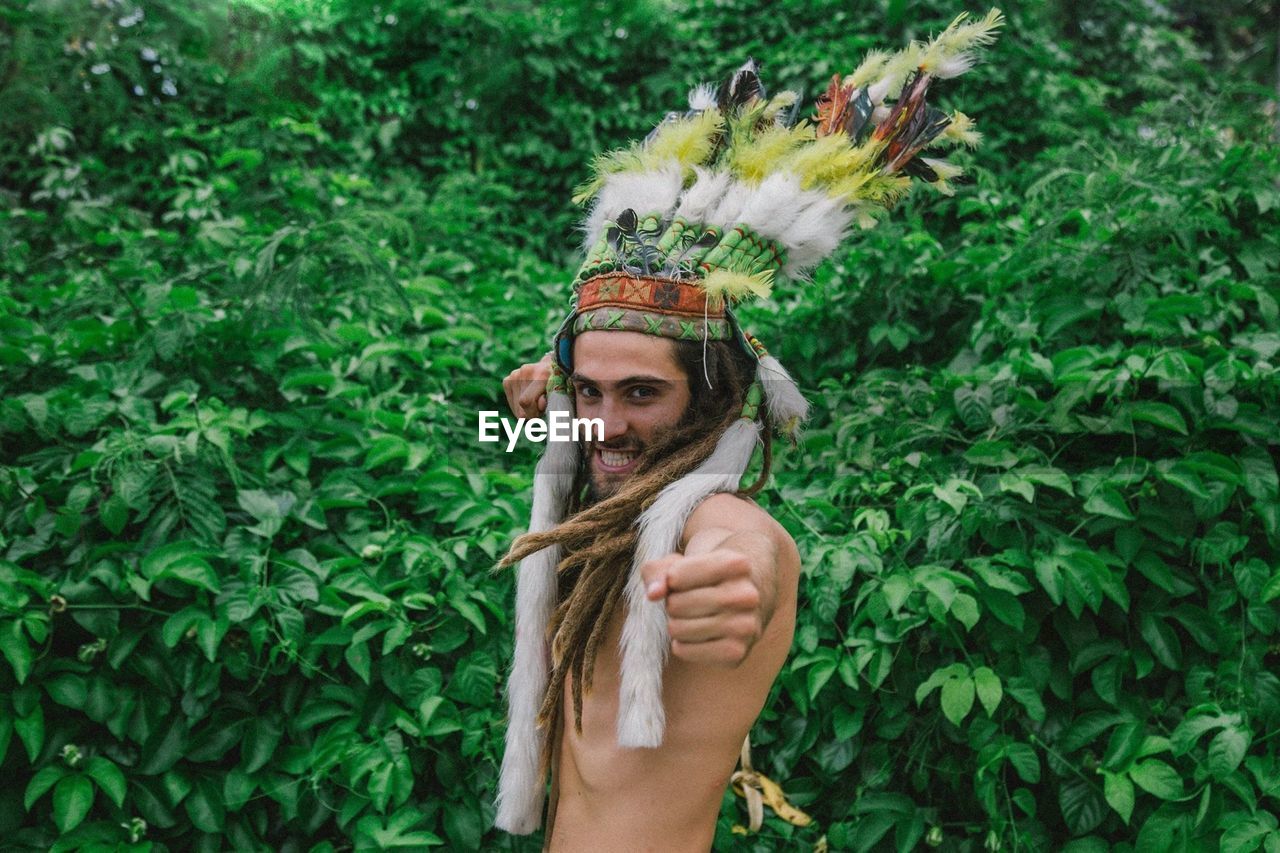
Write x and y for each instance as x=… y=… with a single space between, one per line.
x=599 y=541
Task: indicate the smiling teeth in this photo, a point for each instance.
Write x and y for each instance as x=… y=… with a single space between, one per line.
x=614 y=459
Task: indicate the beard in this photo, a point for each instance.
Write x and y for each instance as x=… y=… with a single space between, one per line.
x=650 y=455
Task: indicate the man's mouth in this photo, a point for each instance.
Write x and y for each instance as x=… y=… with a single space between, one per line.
x=616 y=461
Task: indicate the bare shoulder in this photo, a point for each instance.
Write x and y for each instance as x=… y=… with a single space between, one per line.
x=736 y=514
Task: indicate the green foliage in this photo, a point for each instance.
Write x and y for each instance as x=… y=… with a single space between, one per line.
x=262 y=263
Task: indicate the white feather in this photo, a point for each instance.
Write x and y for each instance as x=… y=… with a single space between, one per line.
x=705 y=192
x=728 y=211
x=702 y=97
x=955 y=66
x=785 y=403
x=879 y=90
x=814 y=235
x=644 y=643
x=648 y=192
x=776 y=203
x=521 y=784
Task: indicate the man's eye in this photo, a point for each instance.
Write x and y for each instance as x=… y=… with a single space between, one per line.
x=642 y=392
x=588 y=391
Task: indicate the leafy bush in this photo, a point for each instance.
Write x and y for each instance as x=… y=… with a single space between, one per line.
x=250 y=301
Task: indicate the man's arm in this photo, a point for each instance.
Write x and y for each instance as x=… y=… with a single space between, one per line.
x=721 y=592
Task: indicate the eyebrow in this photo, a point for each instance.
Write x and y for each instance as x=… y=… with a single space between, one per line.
x=577 y=378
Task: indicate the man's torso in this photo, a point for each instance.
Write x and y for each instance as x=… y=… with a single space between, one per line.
x=664 y=799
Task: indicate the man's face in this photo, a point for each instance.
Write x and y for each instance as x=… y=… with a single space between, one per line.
x=633 y=383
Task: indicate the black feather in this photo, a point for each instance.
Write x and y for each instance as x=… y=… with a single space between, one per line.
x=860 y=109
x=741 y=88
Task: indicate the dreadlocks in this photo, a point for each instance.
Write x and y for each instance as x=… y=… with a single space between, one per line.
x=599 y=541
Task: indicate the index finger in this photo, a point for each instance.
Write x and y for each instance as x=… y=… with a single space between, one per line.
x=707 y=570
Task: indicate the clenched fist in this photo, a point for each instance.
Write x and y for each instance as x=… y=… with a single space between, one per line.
x=526 y=388
x=713 y=604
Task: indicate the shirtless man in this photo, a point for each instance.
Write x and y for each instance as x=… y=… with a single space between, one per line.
x=729 y=594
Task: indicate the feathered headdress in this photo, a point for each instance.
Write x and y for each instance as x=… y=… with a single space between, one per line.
x=713 y=207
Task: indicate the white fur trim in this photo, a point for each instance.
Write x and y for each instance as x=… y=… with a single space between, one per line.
x=521 y=785
x=644 y=643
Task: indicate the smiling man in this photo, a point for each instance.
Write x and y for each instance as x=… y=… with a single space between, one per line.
x=727 y=591
x=655 y=601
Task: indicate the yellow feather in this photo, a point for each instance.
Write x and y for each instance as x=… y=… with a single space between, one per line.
x=779 y=102
x=960 y=131
x=958 y=39
x=760 y=157
x=687 y=141
x=868 y=70
x=831 y=159
x=736 y=286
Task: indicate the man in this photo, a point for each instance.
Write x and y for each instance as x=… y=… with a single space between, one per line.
x=729 y=597
x=655 y=602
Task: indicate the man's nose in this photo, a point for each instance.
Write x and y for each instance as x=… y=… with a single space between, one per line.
x=615 y=420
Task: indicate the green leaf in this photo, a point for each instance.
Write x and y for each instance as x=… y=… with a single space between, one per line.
x=1157 y=778
x=1126 y=742
x=896 y=590
x=205 y=808
x=956 y=492
x=1048 y=572
x=1271 y=590
x=1161 y=639
x=30 y=729
x=114 y=514
x=237 y=788
x=1245 y=832
x=1083 y=808
x=934 y=681
x=384 y=449
x=1227 y=750
x=464 y=827
x=164 y=747
x=260 y=740
x=1160 y=414
x=1022 y=690
x=360 y=660
x=1106 y=501
x=1259 y=472
x=997 y=454
x=67 y=689
x=818 y=675
x=72 y=799
x=990 y=691
x=108 y=778
x=965 y=609
x=184 y=561
x=16 y=649
x=1025 y=761
x=1199 y=720
x=1045 y=475
x=957 y=698
x=44 y=779
x=1118 y=790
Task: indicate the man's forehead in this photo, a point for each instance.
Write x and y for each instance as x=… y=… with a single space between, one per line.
x=617 y=356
